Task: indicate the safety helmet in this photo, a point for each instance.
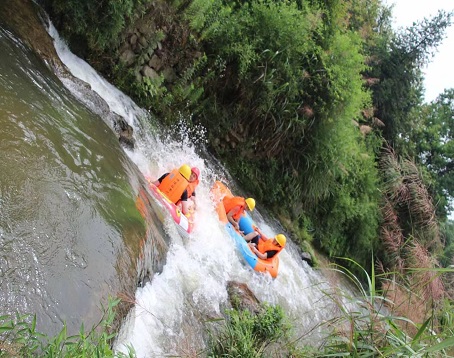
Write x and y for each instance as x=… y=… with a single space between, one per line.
x=185 y=170
x=281 y=239
x=196 y=171
x=250 y=203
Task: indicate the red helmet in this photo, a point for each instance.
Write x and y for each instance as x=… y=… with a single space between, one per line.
x=196 y=171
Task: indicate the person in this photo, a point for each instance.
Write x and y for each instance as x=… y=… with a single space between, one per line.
x=265 y=248
x=176 y=185
x=234 y=208
x=194 y=180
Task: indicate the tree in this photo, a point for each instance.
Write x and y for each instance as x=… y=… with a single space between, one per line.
x=398 y=68
x=448 y=252
x=431 y=142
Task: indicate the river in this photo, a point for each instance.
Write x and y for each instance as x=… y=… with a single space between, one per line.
x=70 y=234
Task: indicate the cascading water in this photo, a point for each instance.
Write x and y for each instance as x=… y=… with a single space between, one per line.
x=170 y=311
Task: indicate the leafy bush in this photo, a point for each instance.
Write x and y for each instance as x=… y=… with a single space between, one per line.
x=246 y=334
x=287 y=84
x=367 y=325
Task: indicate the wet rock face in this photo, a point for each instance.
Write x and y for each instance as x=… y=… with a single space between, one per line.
x=242 y=298
x=26 y=19
x=305 y=256
x=157 y=46
x=125 y=132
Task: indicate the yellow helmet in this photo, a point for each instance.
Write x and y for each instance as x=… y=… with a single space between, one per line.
x=185 y=170
x=250 y=203
x=281 y=239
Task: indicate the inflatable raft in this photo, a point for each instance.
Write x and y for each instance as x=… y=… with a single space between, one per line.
x=185 y=223
x=218 y=192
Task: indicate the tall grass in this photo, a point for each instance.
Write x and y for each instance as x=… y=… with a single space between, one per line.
x=375 y=330
x=19 y=338
x=367 y=326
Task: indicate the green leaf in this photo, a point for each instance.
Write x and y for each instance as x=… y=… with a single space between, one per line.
x=421 y=330
x=34 y=323
x=447 y=343
x=6 y=327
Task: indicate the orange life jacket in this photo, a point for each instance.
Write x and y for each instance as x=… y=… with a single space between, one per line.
x=191 y=187
x=173 y=185
x=268 y=245
x=231 y=202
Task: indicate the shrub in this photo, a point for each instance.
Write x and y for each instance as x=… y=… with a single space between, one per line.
x=246 y=334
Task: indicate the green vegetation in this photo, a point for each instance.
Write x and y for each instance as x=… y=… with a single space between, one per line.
x=91 y=27
x=245 y=334
x=287 y=89
x=430 y=142
x=378 y=328
x=373 y=322
x=399 y=89
x=19 y=338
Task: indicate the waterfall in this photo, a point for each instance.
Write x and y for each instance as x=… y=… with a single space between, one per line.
x=171 y=310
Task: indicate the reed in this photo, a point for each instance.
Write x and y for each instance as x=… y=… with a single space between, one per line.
x=390 y=321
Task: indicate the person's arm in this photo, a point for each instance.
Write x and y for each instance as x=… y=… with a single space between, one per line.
x=161 y=178
x=258 y=253
x=184 y=207
x=184 y=202
x=258 y=231
x=230 y=215
x=250 y=236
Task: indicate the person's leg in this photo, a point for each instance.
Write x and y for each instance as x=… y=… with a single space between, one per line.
x=255 y=240
x=251 y=236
